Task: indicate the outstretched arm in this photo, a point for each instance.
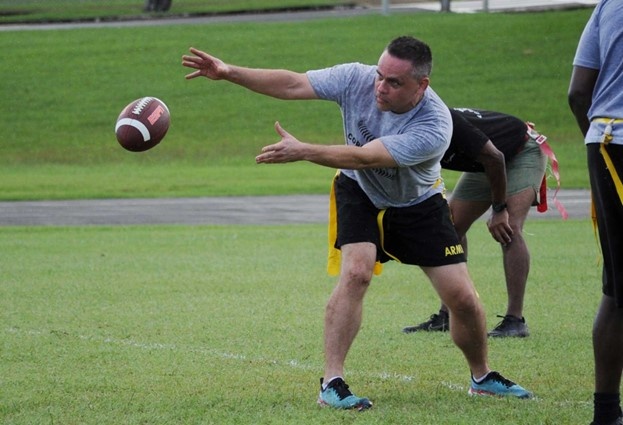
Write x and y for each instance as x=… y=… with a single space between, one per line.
x=290 y=149
x=277 y=83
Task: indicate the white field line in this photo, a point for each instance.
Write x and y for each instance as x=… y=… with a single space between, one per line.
x=294 y=364
x=154 y=346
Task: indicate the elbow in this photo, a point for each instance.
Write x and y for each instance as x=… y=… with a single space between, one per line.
x=579 y=101
x=573 y=99
x=498 y=157
x=490 y=157
x=581 y=86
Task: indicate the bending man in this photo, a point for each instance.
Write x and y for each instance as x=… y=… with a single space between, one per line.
x=504 y=167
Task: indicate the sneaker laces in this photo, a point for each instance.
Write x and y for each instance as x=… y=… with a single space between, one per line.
x=433 y=318
x=437 y=317
x=495 y=376
x=509 y=318
x=340 y=387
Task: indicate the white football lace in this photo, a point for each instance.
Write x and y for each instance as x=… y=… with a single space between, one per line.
x=141 y=105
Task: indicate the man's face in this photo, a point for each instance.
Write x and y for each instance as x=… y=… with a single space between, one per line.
x=395 y=87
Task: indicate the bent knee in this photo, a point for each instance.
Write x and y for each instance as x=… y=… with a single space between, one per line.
x=465 y=303
x=360 y=276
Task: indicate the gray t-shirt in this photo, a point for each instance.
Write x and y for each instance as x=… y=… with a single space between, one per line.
x=601 y=48
x=416 y=139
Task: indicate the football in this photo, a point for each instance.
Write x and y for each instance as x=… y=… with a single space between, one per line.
x=142 y=124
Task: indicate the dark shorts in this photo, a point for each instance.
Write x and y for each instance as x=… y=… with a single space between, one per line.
x=422 y=235
x=609 y=211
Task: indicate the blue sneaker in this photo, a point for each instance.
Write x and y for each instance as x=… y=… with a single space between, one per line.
x=339 y=396
x=497 y=385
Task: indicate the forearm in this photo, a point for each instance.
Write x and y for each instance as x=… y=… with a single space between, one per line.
x=289 y=149
x=277 y=83
x=345 y=157
x=496 y=174
x=579 y=108
x=494 y=164
x=495 y=169
x=580 y=94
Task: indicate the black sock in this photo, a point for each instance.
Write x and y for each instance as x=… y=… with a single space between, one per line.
x=607 y=408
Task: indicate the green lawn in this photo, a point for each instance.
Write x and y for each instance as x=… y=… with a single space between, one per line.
x=223 y=325
x=63 y=90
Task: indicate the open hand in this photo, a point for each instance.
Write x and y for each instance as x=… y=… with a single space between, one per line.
x=206 y=65
x=289 y=149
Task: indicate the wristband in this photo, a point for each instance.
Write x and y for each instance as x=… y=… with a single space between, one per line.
x=499 y=207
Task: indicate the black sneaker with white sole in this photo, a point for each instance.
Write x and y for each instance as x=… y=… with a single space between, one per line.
x=510 y=326
x=436 y=323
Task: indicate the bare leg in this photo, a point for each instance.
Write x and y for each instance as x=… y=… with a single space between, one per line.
x=344 y=309
x=608 y=353
x=467 y=318
x=464 y=214
x=516 y=256
x=608 y=347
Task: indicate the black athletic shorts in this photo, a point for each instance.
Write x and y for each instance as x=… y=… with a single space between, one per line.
x=422 y=235
x=609 y=211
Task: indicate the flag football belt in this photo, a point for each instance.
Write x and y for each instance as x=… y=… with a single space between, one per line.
x=607 y=138
x=334 y=257
x=602 y=149
x=541 y=140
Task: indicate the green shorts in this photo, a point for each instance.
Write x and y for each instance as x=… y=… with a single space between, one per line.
x=524 y=171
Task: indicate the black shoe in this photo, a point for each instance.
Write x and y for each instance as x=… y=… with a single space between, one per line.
x=510 y=326
x=437 y=323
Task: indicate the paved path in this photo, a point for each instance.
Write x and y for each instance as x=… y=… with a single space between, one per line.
x=217 y=210
x=472 y=6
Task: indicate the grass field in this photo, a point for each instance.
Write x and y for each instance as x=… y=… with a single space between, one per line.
x=223 y=325
x=57 y=115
